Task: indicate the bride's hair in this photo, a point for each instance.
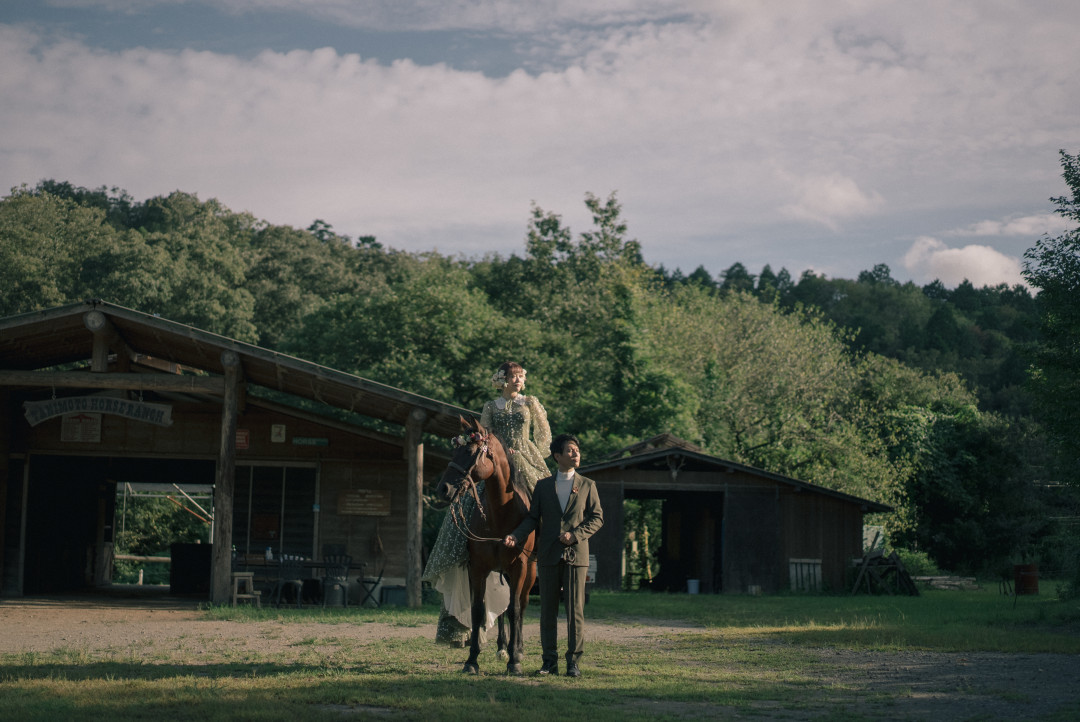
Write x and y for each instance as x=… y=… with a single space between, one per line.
x=504 y=372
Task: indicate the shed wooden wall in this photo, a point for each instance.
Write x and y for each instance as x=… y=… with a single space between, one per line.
x=751 y=538
x=816 y=526
x=607 y=544
x=765 y=524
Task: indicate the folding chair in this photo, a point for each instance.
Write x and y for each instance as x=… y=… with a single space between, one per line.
x=368 y=585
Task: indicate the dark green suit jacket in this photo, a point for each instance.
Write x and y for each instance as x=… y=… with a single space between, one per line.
x=582 y=518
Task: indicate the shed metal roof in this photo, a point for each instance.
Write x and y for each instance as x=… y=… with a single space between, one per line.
x=56 y=336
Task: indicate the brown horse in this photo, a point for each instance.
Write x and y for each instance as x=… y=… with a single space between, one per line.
x=479 y=456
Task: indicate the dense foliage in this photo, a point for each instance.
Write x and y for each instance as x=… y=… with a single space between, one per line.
x=915 y=397
x=1053 y=267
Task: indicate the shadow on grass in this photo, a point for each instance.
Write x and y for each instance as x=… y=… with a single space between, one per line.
x=390 y=689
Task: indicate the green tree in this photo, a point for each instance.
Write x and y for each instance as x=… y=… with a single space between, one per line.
x=45 y=242
x=978 y=510
x=1053 y=267
x=291 y=273
x=203 y=283
x=578 y=294
x=421 y=326
x=115 y=202
x=767 y=388
x=737 y=279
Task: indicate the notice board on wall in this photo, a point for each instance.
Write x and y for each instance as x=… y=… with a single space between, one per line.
x=364 y=502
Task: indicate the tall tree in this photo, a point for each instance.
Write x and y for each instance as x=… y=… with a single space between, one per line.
x=45 y=242
x=1053 y=267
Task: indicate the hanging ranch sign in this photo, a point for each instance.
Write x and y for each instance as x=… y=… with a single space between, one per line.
x=38 y=411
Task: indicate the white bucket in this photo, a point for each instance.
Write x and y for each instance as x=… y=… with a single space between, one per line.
x=693 y=586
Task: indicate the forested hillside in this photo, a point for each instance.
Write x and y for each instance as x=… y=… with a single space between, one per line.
x=916 y=397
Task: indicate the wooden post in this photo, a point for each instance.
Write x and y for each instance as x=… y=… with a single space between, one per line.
x=414 y=507
x=221 y=556
x=6 y=413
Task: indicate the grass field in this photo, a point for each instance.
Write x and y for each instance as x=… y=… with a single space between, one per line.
x=739 y=657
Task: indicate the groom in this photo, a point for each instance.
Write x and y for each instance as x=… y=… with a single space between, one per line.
x=567 y=510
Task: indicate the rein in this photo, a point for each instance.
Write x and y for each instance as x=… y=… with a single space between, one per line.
x=457 y=511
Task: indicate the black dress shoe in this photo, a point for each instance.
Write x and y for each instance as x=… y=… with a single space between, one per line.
x=573 y=671
x=549 y=669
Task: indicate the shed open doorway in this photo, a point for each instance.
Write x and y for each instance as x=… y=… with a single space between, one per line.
x=686 y=546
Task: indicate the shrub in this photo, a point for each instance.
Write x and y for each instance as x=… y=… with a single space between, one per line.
x=918 y=564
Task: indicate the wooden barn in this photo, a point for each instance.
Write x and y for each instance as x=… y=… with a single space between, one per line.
x=93 y=395
x=728 y=527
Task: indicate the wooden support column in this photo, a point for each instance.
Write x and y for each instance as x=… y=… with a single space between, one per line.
x=414 y=507
x=221 y=556
x=6 y=414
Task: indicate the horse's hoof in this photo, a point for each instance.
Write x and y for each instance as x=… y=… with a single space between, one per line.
x=502 y=655
x=515 y=669
x=471 y=668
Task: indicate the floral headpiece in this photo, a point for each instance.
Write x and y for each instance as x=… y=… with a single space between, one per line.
x=498 y=380
x=474 y=437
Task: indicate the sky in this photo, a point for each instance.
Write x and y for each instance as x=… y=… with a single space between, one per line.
x=821 y=135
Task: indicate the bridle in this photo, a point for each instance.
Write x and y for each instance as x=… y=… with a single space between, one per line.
x=468 y=484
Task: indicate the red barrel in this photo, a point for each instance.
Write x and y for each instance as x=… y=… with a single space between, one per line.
x=1026 y=578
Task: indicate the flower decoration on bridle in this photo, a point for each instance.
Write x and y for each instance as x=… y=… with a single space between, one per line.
x=474 y=437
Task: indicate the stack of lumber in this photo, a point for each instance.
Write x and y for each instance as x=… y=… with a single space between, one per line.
x=952 y=583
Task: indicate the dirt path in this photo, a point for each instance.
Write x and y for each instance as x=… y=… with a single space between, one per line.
x=146 y=628
x=886 y=685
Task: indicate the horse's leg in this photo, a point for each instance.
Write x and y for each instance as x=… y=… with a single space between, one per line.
x=521 y=583
x=513 y=662
x=478 y=583
x=502 y=653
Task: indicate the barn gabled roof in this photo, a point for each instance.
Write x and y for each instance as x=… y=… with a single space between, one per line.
x=58 y=336
x=683 y=457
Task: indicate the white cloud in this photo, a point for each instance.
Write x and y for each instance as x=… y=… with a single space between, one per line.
x=929 y=259
x=828 y=200
x=740 y=125
x=1029 y=226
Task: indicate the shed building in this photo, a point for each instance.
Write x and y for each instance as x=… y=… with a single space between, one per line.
x=726 y=526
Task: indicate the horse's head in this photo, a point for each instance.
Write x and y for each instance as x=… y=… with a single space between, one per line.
x=472 y=462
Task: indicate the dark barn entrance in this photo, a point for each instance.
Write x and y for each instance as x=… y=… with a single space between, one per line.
x=71 y=508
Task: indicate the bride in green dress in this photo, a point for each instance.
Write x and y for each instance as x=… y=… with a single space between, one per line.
x=520 y=422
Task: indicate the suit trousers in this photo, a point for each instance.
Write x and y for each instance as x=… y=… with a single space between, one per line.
x=572 y=580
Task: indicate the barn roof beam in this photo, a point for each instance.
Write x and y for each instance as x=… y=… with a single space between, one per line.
x=214 y=385
x=106 y=338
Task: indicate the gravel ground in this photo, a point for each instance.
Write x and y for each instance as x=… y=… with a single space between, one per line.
x=887 y=685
